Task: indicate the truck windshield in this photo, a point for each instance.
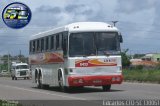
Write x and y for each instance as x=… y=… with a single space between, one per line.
x=91 y=43
x=22 y=67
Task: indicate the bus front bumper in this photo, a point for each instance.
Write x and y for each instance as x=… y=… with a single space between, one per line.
x=94 y=80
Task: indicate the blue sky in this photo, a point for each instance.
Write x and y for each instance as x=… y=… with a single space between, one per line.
x=138 y=21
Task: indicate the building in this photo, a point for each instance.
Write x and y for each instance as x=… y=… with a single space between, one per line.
x=1 y=61
x=151 y=59
x=155 y=57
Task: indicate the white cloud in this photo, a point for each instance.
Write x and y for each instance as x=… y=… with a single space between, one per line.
x=133 y=15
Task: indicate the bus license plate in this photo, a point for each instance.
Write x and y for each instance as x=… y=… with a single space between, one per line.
x=97 y=81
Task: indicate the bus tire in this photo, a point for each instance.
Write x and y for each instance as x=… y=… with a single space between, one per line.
x=36 y=78
x=60 y=82
x=45 y=86
x=39 y=82
x=106 y=87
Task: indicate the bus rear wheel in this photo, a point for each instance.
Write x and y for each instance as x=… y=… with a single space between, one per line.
x=39 y=81
x=106 y=87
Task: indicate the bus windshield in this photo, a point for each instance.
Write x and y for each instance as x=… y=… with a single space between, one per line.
x=22 y=67
x=91 y=43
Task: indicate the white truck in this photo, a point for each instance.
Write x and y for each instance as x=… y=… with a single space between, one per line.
x=20 y=70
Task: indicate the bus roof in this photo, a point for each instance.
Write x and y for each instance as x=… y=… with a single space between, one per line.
x=79 y=27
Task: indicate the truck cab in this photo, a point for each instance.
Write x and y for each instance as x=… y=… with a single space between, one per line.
x=20 y=70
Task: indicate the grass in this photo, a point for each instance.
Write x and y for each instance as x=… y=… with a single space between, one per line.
x=9 y=103
x=142 y=75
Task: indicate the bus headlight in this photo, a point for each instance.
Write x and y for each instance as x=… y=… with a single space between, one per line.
x=118 y=79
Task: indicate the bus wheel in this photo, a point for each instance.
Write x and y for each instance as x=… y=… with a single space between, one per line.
x=45 y=86
x=39 y=82
x=36 y=78
x=60 y=81
x=106 y=87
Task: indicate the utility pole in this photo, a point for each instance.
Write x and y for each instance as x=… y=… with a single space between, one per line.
x=8 y=63
x=114 y=23
x=20 y=56
x=0 y=64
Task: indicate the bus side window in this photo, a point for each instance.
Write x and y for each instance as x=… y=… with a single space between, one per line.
x=64 y=43
x=33 y=46
x=30 y=46
x=52 y=42
x=58 y=41
x=42 y=44
x=46 y=43
x=38 y=46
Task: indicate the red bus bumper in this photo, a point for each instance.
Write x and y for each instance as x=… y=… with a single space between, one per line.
x=94 y=80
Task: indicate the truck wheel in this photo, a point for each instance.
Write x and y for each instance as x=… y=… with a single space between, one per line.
x=12 y=77
x=106 y=87
x=15 y=78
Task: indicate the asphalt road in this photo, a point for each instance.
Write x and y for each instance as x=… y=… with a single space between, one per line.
x=26 y=91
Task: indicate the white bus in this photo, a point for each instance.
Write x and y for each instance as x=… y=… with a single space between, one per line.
x=76 y=55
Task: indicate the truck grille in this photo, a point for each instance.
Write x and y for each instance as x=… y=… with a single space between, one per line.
x=22 y=73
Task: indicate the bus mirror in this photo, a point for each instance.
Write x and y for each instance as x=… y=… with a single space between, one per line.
x=120 y=38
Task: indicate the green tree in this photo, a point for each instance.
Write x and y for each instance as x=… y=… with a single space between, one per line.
x=125 y=58
x=138 y=55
